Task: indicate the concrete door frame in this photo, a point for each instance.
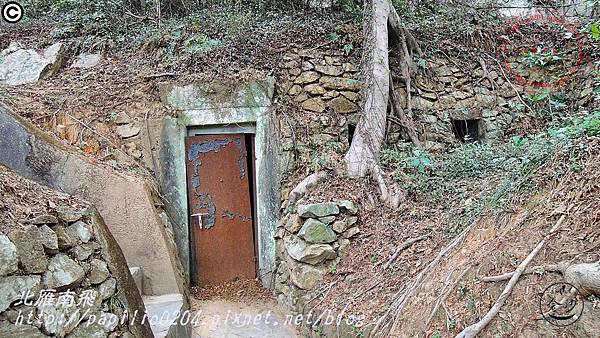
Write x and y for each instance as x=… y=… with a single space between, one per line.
x=206 y=106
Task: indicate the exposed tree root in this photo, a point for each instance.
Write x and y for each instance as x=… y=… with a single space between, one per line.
x=474 y=329
x=389 y=320
x=406 y=121
x=585 y=276
x=536 y=269
x=407 y=244
x=306 y=184
x=446 y=292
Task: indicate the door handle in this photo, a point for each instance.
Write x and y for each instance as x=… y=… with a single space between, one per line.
x=199 y=215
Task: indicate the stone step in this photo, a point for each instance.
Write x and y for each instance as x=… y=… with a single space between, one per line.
x=165 y=314
x=138 y=276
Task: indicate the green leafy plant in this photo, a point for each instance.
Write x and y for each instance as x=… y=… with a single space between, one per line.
x=595 y=29
x=199 y=43
x=348 y=48
x=334 y=37
x=419 y=160
x=542 y=57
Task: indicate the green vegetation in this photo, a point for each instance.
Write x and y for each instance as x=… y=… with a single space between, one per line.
x=507 y=168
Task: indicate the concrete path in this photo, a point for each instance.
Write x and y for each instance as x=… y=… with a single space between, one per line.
x=228 y=319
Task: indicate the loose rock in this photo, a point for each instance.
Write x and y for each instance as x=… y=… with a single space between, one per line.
x=340 y=83
x=56 y=320
x=67 y=238
x=108 y=288
x=98 y=272
x=315 y=104
x=12 y=287
x=329 y=70
x=62 y=272
x=318 y=210
x=86 y=60
x=348 y=206
x=311 y=254
x=67 y=214
x=127 y=131
x=8 y=256
x=82 y=230
x=49 y=238
x=85 y=250
x=21 y=331
x=306 y=277
x=342 y=105
x=293 y=224
x=316 y=232
x=30 y=249
x=21 y=66
x=307 y=77
x=351 y=232
x=44 y=219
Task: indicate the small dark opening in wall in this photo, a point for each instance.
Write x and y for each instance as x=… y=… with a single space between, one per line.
x=466 y=130
x=351 y=129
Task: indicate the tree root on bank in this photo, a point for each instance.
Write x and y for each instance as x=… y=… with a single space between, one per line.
x=584 y=276
x=407 y=244
x=474 y=329
x=307 y=184
x=387 y=323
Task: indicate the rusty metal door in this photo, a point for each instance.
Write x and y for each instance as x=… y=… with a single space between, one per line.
x=221 y=219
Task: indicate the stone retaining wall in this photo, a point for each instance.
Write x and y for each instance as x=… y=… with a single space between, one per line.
x=62 y=273
x=444 y=92
x=311 y=239
x=323 y=87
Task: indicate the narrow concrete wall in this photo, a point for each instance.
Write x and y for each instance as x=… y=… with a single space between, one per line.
x=125 y=203
x=221 y=105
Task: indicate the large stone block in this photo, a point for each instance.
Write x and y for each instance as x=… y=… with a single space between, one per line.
x=309 y=253
x=8 y=256
x=13 y=287
x=318 y=210
x=62 y=272
x=316 y=232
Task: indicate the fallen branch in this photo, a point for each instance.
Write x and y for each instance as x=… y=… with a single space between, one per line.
x=407 y=244
x=474 y=329
x=514 y=88
x=153 y=76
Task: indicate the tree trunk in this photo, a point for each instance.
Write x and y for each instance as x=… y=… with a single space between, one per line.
x=370 y=131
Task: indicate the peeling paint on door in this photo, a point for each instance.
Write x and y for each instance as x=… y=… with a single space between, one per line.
x=219 y=191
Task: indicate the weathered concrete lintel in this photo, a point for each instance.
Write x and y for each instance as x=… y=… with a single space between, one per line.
x=242 y=104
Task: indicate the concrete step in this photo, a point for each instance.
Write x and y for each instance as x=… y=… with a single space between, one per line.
x=166 y=316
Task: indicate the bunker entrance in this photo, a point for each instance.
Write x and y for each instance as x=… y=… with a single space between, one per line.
x=220 y=165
